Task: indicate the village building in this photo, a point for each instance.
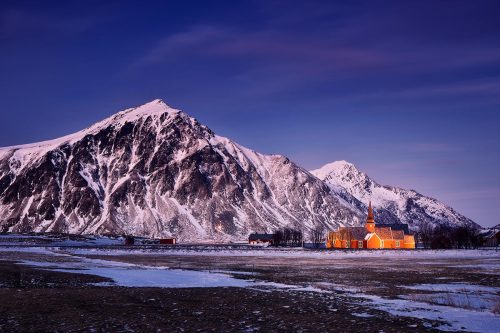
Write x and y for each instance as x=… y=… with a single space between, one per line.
x=371 y=236
x=168 y=241
x=255 y=239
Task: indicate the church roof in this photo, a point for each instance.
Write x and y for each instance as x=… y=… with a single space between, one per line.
x=398 y=234
x=384 y=233
x=257 y=237
x=369 y=235
x=359 y=233
x=398 y=226
x=351 y=233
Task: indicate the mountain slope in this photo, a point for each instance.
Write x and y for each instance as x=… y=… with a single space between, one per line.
x=154 y=171
x=393 y=204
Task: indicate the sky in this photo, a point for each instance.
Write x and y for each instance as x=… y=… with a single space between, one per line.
x=408 y=91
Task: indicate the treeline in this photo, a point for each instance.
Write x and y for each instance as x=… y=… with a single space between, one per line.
x=287 y=237
x=443 y=237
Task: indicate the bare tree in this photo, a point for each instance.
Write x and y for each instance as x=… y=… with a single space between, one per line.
x=441 y=237
x=317 y=235
x=425 y=233
x=296 y=237
x=278 y=238
x=287 y=237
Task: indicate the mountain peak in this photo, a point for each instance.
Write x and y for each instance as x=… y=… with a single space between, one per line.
x=333 y=167
x=154 y=107
x=154 y=171
x=397 y=204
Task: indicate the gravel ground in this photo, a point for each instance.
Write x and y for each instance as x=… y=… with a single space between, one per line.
x=43 y=300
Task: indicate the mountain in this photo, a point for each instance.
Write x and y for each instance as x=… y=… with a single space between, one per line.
x=392 y=204
x=155 y=171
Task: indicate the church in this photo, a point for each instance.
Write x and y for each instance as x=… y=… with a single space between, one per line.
x=371 y=236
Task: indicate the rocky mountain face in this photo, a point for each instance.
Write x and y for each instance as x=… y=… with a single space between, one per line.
x=392 y=204
x=155 y=171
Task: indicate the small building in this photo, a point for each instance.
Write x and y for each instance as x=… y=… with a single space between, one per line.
x=255 y=239
x=168 y=241
x=371 y=236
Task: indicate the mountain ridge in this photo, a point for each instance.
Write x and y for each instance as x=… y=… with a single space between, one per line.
x=155 y=171
x=393 y=204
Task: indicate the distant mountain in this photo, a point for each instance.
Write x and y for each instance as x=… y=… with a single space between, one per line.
x=392 y=204
x=155 y=171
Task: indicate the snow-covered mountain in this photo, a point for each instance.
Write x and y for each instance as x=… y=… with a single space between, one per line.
x=392 y=204
x=155 y=171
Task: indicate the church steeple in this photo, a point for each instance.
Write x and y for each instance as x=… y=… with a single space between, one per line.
x=370 y=220
x=370 y=213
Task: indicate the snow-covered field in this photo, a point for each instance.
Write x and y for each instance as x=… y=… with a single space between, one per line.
x=203 y=250
x=459 y=290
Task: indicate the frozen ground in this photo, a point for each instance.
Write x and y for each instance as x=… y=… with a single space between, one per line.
x=429 y=290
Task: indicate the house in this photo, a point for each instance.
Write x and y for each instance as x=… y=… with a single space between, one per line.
x=255 y=239
x=371 y=236
x=168 y=241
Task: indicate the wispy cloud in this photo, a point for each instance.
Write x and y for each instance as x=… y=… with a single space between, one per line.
x=490 y=86
x=281 y=60
x=431 y=147
x=194 y=40
x=264 y=46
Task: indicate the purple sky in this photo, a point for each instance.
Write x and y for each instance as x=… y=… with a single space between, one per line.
x=409 y=91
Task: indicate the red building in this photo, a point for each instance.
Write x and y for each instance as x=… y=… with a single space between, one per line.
x=371 y=236
x=168 y=241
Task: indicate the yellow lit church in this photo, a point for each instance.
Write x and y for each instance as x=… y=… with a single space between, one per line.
x=371 y=236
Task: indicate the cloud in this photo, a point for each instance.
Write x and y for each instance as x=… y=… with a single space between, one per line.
x=335 y=51
x=490 y=86
x=268 y=46
x=341 y=50
x=193 y=40
x=432 y=148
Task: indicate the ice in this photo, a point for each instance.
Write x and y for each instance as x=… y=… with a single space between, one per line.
x=458 y=295
x=454 y=287
x=130 y=275
x=457 y=319
x=362 y=315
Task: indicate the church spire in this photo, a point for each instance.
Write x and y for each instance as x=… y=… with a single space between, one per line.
x=370 y=217
x=370 y=220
